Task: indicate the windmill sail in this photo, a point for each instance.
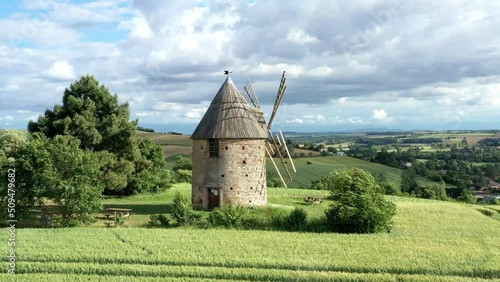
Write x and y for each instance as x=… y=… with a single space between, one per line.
x=276 y=147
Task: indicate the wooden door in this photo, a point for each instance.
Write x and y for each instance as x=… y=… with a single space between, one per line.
x=213 y=195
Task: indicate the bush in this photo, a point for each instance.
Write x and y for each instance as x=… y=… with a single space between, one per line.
x=227 y=216
x=358 y=207
x=264 y=218
x=389 y=188
x=183 y=175
x=296 y=220
x=467 y=196
x=159 y=220
x=182 y=210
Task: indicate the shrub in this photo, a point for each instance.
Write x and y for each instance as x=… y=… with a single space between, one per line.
x=467 y=196
x=159 y=220
x=182 y=210
x=389 y=188
x=358 y=207
x=119 y=220
x=296 y=220
x=183 y=175
x=227 y=216
x=309 y=162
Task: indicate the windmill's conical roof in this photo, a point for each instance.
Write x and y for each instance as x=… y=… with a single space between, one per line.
x=229 y=116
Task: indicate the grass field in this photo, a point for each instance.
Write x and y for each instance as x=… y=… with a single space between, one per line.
x=171 y=144
x=430 y=241
x=324 y=165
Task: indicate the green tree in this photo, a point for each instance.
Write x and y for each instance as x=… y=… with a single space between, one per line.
x=358 y=206
x=409 y=182
x=183 y=162
x=74 y=180
x=25 y=159
x=467 y=196
x=151 y=172
x=93 y=115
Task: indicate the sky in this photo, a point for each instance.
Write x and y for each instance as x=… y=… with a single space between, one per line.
x=350 y=65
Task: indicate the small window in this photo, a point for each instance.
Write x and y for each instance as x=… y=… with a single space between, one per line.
x=214 y=147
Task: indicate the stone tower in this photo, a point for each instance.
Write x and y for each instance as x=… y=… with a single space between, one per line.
x=229 y=157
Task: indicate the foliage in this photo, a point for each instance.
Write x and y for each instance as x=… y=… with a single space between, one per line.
x=228 y=216
x=182 y=210
x=321 y=184
x=183 y=175
x=489 y=142
x=358 y=207
x=389 y=188
x=409 y=182
x=467 y=197
x=159 y=220
x=73 y=180
x=145 y=129
x=296 y=220
x=18 y=183
x=183 y=162
x=93 y=115
x=12 y=141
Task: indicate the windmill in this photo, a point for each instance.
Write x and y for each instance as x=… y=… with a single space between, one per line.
x=275 y=144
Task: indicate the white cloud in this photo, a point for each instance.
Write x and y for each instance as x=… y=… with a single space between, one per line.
x=339 y=64
x=379 y=115
x=355 y=120
x=300 y=37
x=317 y=117
x=9 y=117
x=193 y=115
x=139 y=28
x=12 y=87
x=61 y=70
x=164 y=106
x=296 y=120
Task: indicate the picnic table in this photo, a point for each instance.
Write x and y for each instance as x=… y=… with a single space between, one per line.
x=117 y=211
x=313 y=200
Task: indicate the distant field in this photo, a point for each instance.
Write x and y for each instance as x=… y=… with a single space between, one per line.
x=305 y=152
x=324 y=165
x=430 y=241
x=171 y=144
x=167 y=139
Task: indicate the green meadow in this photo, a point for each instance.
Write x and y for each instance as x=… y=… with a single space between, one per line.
x=320 y=166
x=430 y=241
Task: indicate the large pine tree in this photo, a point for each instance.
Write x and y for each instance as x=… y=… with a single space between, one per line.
x=92 y=114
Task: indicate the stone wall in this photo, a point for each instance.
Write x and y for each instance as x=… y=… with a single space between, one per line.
x=239 y=172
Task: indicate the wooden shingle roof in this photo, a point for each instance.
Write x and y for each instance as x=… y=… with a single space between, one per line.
x=229 y=116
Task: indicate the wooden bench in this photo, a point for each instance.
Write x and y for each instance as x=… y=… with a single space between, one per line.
x=313 y=200
x=114 y=212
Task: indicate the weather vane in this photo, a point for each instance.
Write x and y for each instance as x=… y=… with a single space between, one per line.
x=226 y=72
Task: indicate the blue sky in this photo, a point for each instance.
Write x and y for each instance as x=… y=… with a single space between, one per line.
x=367 y=64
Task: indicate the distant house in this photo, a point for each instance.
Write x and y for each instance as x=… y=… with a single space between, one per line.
x=340 y=153
x=300 y=145
x=486 y=195
x=492 y=184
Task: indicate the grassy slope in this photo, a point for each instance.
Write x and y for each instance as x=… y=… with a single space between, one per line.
x=430 y=241
x=171 y=144
x=324 y=165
